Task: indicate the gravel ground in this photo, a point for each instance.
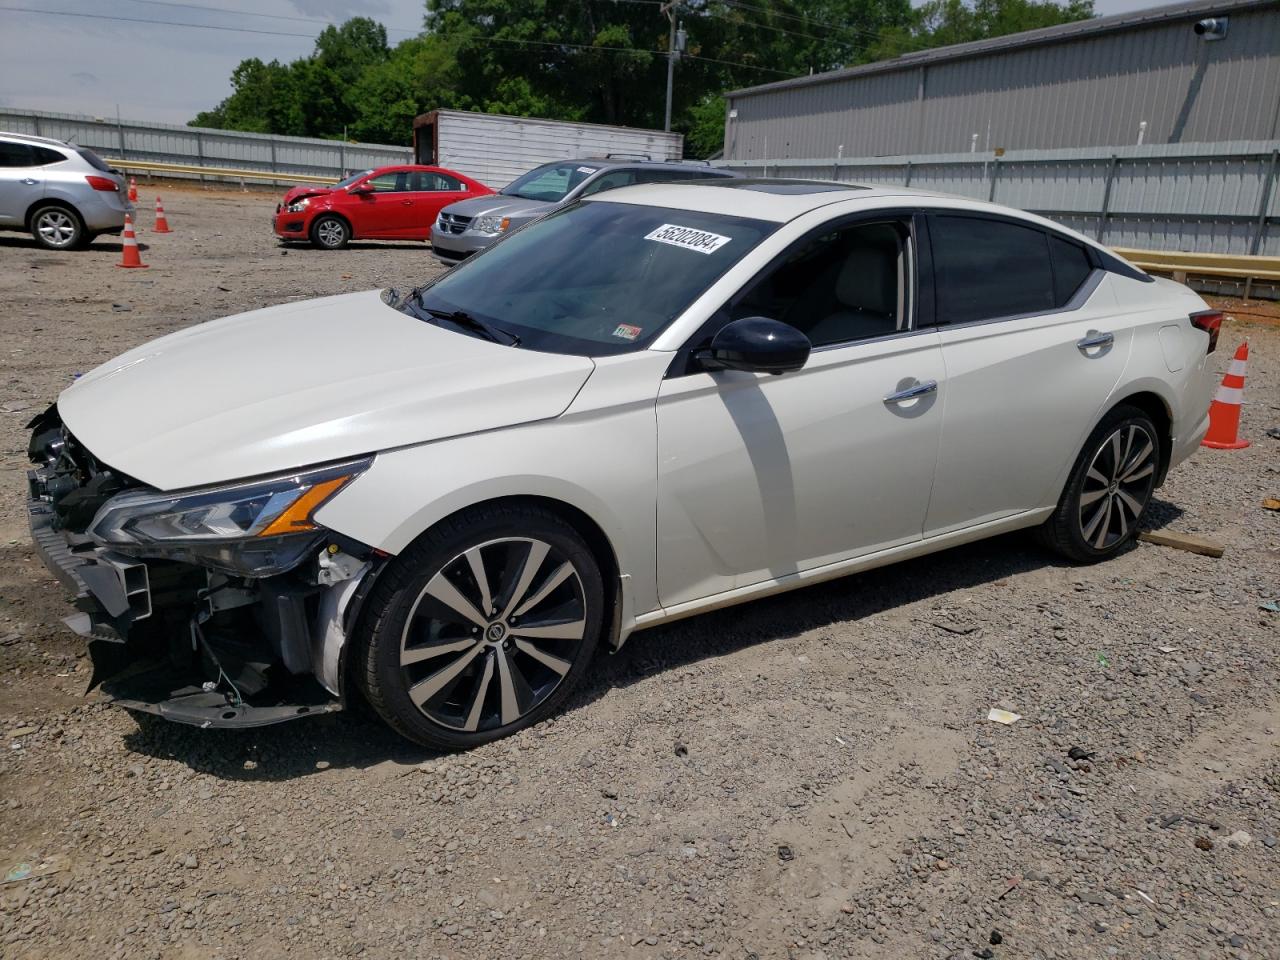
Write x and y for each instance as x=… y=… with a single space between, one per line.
x=810 y=776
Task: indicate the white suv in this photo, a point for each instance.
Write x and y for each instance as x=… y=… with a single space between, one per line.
x=63 y=194
x=652 y=403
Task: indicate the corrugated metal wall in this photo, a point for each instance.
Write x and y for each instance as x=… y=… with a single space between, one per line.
x=169 y=143
x=497 y=149
x=1198 y=198
x=1088 y=92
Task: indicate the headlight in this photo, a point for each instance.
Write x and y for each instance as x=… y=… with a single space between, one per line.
x=255 y=529
x=491 y=226
x=298 y=205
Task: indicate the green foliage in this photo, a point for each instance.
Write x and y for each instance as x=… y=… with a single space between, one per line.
x=602 y=61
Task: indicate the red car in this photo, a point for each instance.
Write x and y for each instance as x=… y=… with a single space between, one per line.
x=390 y=203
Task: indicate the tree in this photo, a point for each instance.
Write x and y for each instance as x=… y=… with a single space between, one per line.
x=602 y=61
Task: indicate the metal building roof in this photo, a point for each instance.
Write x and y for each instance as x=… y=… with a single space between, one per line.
x=1047 y=35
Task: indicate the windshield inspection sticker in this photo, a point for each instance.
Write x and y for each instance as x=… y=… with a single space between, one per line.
x=688 y=238
x=587 y=170
x=626 y=331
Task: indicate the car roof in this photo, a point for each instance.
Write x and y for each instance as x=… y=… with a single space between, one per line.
x=781 y=200
x=777 y=200
x=30 y=138
x=625 y=161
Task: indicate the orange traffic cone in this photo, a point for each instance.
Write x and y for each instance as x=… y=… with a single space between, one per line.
x=133 y=189
x=1224 y=412
x=129 y=256
x=162 y=225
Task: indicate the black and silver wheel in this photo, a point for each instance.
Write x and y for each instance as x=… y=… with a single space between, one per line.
x=1109 y=489
x=57 y=228
x=330 y=233
x=482 y=628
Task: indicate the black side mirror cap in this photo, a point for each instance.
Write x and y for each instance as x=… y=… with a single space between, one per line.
x=756 y=345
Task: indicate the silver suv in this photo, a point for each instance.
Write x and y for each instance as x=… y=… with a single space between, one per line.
x=64 y=194
x=468 y=226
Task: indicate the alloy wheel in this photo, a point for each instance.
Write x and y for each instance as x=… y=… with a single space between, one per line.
x=493 y=633
x=56 y=228
x=1117 y=486
x=331 y=233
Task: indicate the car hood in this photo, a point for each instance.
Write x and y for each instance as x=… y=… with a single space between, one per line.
x=499 y=205
x=304 y=383
x=298 y=192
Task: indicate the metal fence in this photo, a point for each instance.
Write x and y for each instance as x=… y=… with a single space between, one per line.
x=203 y=146
x=1193 y=197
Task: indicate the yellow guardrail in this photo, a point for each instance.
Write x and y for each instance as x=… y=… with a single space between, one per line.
x=233 y=173
x=1204 y=264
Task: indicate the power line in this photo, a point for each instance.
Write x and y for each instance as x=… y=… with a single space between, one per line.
x=307 y=36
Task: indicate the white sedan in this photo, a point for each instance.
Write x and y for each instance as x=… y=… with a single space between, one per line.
x=659 y=401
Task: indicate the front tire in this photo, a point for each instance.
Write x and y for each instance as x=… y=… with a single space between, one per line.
x=1109 y=489
x=482 y=627
x=56 y=227
x=330 y=233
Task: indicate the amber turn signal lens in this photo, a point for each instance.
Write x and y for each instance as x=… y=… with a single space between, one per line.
x=297 y=518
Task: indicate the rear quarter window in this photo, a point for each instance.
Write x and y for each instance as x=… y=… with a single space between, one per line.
x=1071 y=267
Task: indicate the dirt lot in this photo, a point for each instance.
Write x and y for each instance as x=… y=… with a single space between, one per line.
x=810 y=776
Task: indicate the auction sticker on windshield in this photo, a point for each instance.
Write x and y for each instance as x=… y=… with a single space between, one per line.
x=688 y=237
x=627 y=331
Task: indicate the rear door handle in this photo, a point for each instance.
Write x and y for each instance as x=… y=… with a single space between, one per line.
x=1096 y=340
x=28 y=181
x=919 y=390
x=406 y=203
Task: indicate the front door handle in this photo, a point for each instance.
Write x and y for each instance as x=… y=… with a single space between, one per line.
x=28 y=181
x=919 y=390
x=406 y=203
x=1095 y=339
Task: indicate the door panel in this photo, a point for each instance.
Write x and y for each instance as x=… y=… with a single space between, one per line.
x=22 y=183
x=1021 y=398
x=762 y=476
x=381 y=214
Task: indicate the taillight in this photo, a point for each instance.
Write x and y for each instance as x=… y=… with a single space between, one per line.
x=105 y=184
x=1210 y=321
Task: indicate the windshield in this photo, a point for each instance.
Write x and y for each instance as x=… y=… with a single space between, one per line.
x=348 y=181
x=550 y=182
x=595 y=278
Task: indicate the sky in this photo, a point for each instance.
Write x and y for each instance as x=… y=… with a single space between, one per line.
x=155 y=71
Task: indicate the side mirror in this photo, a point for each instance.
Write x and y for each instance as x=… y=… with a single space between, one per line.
x=361 y=188
x=756 y=345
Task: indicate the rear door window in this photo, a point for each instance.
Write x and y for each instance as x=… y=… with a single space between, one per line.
x=985 y=269
x=15 y=154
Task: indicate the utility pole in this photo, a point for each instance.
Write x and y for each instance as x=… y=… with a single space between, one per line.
x=675 y=47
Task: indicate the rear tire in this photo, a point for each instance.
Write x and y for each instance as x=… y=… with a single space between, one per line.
x=330 y=233
x=1109 y=490
x=452 y=662
x=56 y=227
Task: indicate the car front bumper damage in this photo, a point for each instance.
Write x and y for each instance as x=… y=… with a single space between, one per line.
x=195 y=646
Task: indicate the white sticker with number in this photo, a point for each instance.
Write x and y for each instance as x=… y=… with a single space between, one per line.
x=688 y=237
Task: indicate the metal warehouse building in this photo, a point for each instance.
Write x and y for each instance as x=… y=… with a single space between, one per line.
x=1144 y=77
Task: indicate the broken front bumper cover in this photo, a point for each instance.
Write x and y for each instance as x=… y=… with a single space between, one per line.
x=113 y=594
x=159 y=689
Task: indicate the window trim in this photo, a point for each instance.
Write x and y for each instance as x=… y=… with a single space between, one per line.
x=919 y=306
x=1078 y=299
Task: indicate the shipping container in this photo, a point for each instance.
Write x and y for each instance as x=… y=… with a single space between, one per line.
x=495 y=149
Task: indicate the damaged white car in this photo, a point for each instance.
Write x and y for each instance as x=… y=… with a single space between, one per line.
x=657 y=401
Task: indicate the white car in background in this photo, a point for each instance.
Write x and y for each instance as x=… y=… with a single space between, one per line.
x=652 y=403
x=64 y=195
